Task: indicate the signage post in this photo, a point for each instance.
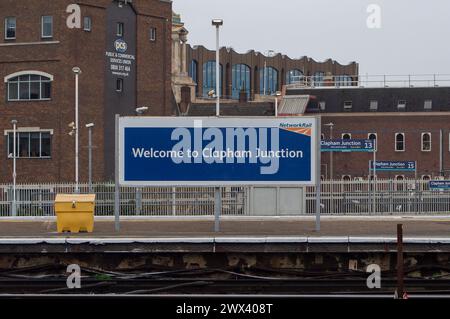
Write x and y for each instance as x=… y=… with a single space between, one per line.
x=116 y=177
x=318 y=177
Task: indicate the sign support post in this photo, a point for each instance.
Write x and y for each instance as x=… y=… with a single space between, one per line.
x=374 y=177
x=318 y=166
x=117 y=180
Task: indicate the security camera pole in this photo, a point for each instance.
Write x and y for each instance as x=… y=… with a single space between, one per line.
x=77 y=72
x=90 y=126
x=217 y=194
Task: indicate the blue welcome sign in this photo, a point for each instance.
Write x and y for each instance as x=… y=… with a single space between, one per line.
x=188 y=151
x=439 y=185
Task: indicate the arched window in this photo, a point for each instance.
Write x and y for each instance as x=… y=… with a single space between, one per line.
x=317 y=78
x=399 y=142
x=372 y=136
x=240 y=80
x=346 y=178
x=426 y=142
x=343 y=80
x=209 y=78
x=268 y=81
x=193 y=70
x=29 y=86
x=346 y=136
x=294 y=76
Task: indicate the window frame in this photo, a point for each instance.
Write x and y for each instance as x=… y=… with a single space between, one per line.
x=120 y=29
x=6 y=28
x=404 y=142
x=42 y=28
x=349 y=134
x=10 y=133
x=8 y=82
x=153 y=36
x=348 y=105
x=119 y=85
x=401 y=106
x=87 y=28
x=422 y=141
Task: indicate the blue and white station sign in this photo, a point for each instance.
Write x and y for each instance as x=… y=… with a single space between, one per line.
x=439 y=185
x=347 y=146
x=408 y=166
x=217 y=151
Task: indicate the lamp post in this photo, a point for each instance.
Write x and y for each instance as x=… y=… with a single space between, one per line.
x=217 y=194
x=14 y=205
x=90 y=127
x=217 y=23
x=77 y=72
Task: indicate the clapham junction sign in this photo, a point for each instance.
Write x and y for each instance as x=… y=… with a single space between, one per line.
x=188 y=151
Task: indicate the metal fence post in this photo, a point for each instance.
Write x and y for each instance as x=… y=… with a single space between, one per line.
x=138 y=201
x=217 y=208
x=117 y=185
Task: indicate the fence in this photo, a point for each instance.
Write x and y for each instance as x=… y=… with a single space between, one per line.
x=385 y=197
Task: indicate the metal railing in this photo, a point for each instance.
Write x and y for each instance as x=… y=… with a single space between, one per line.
x=372 y=81
x=385 y=197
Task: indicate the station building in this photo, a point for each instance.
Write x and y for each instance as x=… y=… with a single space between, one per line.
x=123 y=49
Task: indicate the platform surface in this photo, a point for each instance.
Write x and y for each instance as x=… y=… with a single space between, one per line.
x=431 y=227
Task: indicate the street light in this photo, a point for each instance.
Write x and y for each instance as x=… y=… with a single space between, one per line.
x=217 y=194
x=77 y=72
x=217 y=23
x=90 y=126
x=141 y=110
x=14 y=206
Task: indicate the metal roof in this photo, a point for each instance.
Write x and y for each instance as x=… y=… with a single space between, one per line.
x=293 y=105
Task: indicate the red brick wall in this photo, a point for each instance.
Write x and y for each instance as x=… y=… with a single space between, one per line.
x=86 y=50
x=386 y=125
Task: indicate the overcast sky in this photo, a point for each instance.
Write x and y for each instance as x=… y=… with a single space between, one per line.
x=414 y=37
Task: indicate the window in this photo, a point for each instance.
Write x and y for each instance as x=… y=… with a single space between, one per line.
x=399 y=180
x=209 y=78
x=193 y=70
x=10 y=28
x=268 y=81
x=346 y=178
x=152 y=34
x=372 y=136
x=401 y=105
x=317 y=79
x=294 y=76
x=47 y=27
x=322 y=136
x=373 y=105
x=399 y=142
x=322 y=105
x=240 y=80
x=428 y=105
x=348 y=105
x=343 y=80
x=426 y=177
x=30 y=144
x=426 y=142
x=346 y=136
x=29 y=87
x=120 y=29
x=87 y=24
x=119 y=85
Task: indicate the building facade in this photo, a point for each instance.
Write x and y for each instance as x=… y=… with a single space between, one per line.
x=253 y=75
x=409 y=124
x=123 y=49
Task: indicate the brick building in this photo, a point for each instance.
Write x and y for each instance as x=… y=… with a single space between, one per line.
x=409 y=123
x=123 y=49
x=257 y=75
